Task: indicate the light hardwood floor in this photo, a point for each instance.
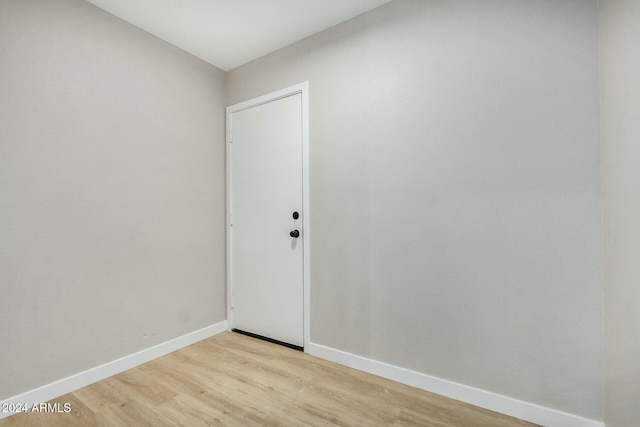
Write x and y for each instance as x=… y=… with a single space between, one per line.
x=233 y=379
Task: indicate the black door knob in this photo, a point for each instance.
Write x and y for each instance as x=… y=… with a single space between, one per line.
x=295 y=234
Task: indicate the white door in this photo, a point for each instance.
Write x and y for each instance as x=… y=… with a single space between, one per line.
x=266 y=250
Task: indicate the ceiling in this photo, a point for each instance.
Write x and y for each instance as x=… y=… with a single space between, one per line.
x=229 y=33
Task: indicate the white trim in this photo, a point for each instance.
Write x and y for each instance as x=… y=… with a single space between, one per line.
x=273 y=96
x=303 y=89
x=90 y=376
x=228 y=215
x=485 y=399
x=306 y=216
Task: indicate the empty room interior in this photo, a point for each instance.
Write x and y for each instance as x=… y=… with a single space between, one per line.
x=318 y=212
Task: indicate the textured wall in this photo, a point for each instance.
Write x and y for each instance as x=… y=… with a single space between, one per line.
x=620 y=94
x=455 y=191
x=111 y=191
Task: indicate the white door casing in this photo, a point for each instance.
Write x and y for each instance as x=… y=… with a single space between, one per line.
x=267 y=181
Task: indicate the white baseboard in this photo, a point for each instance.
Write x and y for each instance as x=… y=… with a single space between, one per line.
x=495 y=402
x=90 y=376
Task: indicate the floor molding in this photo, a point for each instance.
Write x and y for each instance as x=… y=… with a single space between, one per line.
x=90 y=376
x=495 y=402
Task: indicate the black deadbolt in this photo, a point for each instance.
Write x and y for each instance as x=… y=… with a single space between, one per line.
x=296 y=215
x=295 y=234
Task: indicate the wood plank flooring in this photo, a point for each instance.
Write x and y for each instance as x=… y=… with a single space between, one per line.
x=232 y=379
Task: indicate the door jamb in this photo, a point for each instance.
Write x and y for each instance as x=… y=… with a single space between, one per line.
x=303 y=89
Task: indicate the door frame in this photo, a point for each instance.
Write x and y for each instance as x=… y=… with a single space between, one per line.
x=303 y=89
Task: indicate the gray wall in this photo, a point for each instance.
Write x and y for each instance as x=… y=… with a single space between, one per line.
x=111 y=191
x=620 y=94
x=455 y=191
